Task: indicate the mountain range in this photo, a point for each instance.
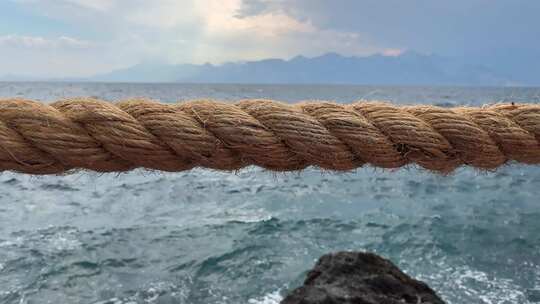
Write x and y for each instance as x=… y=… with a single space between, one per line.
x=409 y=68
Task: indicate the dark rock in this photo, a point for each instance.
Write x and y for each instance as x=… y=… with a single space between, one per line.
x=360 y=278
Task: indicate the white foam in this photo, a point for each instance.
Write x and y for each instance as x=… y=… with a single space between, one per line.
x=270 y=298
x=458 y=284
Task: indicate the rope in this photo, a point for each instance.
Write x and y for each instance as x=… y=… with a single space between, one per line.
x=91 y=134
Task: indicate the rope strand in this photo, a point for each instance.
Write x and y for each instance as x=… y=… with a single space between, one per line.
x=86 y=133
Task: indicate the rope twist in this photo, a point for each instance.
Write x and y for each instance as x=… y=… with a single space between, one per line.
x=86 y=133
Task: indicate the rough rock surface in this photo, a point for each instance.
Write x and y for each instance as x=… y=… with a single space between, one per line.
x=360 y=278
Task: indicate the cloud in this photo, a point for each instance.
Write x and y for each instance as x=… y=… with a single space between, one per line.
x=196 y=30
x=61 y=56
x=226 y=34
x=455 y=27
x=100 y=5
x=33 y=42
x=116 y=14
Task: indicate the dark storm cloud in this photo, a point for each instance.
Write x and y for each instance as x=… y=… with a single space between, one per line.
x=446 y=27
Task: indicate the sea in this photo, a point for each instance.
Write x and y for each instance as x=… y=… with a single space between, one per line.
x=209 y=237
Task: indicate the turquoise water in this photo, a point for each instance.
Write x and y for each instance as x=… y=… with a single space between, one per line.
x=211 y=237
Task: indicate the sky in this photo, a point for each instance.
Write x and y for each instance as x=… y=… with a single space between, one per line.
x=77 y=38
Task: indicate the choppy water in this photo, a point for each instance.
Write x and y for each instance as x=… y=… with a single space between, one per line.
x=211 y=237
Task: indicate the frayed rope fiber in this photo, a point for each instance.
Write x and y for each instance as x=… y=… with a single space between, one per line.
x=86 y=133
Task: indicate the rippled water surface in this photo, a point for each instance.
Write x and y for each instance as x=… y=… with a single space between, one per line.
x=211 y=237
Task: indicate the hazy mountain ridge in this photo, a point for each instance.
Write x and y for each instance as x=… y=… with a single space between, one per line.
x=409 y=68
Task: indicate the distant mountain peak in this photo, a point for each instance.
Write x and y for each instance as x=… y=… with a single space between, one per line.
x=330 y=55
x=299 y=58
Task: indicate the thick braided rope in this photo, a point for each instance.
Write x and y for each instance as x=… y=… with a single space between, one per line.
x=86 y=133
